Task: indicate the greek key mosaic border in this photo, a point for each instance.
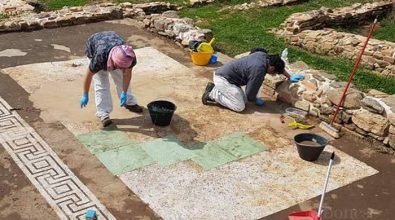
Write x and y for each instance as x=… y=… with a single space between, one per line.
x=66 y=194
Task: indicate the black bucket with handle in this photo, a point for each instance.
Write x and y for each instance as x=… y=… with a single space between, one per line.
x=310 y=146
x=161 y=112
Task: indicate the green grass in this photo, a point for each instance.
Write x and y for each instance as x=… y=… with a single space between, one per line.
x=58 y=4
x=385 y=29
x=237 y=32
x=3 y=16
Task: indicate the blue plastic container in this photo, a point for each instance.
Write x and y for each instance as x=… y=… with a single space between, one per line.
x=213 y=59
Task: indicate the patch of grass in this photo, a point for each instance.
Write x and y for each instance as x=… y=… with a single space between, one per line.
x=58 y=4
x=385 y=30
x=3 y=16
x=238 y=32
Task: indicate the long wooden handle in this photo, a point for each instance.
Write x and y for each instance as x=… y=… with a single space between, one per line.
x=358 y=60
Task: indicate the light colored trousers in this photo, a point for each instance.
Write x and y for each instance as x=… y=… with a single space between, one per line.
x=228 y=95
x=103 y=94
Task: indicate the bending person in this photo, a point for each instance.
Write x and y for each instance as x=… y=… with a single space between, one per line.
x=109 y=54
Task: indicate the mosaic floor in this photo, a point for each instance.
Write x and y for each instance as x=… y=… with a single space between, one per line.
x=63 y=191
x=120 y=155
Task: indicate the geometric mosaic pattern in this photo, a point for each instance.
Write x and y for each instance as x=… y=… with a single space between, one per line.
x=66 y=194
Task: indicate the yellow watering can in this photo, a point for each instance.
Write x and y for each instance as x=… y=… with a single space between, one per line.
x=206 y=47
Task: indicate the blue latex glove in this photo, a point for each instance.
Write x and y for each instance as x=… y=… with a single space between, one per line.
x=123 y=98
x=84 y=100
x=296 y=77
x=259 y=102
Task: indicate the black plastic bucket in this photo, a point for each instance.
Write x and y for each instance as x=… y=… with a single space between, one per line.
x=310 y=146
x=161 y=112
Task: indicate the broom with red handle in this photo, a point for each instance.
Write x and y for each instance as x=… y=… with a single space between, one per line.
x=329 y=127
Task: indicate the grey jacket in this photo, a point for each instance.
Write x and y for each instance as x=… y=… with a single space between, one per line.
x=247 y=71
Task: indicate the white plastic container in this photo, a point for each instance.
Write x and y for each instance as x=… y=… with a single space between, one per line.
x=296 y=113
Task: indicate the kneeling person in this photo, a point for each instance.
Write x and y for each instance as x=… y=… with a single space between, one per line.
x=247 y=71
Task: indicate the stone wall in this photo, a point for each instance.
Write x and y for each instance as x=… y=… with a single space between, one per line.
x=166 y=24
x=14 y=7
x=265 y=3
x=181 y=30
x=364 y=114
x=379 y=55
x=356 y=14
x=200 y=2
x=81 y=15
x=300 y=30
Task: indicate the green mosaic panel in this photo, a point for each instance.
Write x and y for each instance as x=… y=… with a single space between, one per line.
x=167 y=151
x=226 y=149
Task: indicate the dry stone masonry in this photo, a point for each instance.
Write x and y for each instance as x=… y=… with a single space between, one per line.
x=265 y=3
x=80 y=15
x=14 y=7
x=200 y=2
x=300 y=29
x=378 y=56
x=367 y=115
x=166 y=24
x=170 y=25
x=356 y=14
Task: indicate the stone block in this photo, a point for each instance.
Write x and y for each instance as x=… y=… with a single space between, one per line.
x=388 y=52
x=386 y=141
x=50 y=24
x=81 y=19
x=310 y=85
x=314 y=111
x=159 y=24
x=391 y=118
x=352 y=100
x=319 y=92
x=390 y=101
x=303 y=104
x=390 y=60
x=391 y=141
x=377 y=94
x=345 y=117
x=309 y=96
x=64 y=21
x=326 y=109
x=372 y=105
x=289 y=93
x=170 y=14
x=147 y=22
x=318 y=77
x=371 y=122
